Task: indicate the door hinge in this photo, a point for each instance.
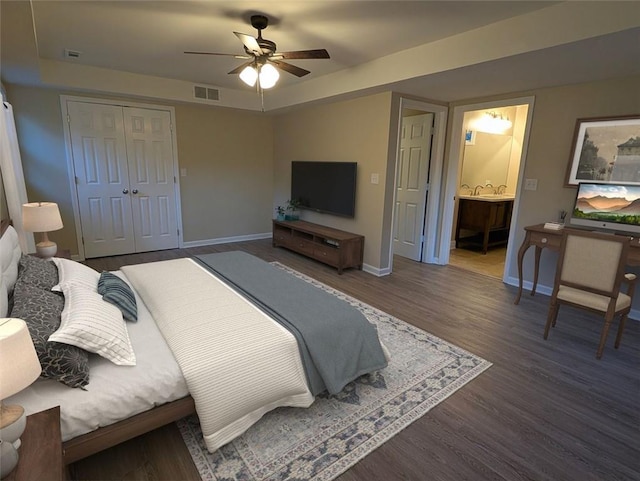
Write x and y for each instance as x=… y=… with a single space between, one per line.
x=68 y=118
x=178 y=231
x=174 y=179
x=82 y=239
x=77 y=180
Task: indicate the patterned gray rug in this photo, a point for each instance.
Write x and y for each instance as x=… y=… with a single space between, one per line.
x=321 y=442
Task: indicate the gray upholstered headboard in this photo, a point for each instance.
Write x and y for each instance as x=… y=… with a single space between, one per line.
x=9 y=256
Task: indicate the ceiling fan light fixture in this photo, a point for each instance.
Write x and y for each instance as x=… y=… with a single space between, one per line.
x=249 y=75
x=268 y=76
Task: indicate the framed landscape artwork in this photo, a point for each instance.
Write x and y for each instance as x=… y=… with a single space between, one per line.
x=605 y=150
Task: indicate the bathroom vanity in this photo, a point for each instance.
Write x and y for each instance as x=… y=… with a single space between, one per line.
x=483 y=220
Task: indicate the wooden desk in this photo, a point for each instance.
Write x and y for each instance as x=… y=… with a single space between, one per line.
x=541 y=238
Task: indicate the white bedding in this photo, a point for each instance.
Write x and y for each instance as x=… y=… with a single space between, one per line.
x=114 y=392
x=238 y=362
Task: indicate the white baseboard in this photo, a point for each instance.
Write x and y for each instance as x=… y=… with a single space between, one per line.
x=227 y=240
x=376 y=271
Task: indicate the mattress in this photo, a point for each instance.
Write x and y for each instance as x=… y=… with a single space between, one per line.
x=114 y=392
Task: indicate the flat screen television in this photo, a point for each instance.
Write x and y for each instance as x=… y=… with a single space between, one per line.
x=608 y=207
x=328 y=187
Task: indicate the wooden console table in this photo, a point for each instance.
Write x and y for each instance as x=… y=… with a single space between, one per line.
x=541 y=238
x=334 y=247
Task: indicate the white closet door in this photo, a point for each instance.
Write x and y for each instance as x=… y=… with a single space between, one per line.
x=102 y=178
x=150 y=154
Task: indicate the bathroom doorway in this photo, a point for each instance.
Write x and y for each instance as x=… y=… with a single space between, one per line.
x=484 y=178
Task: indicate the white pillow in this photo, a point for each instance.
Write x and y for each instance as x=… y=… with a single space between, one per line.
x=72 y=271
x=92 y=324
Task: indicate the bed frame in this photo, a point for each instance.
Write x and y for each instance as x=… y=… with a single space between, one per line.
x=102 y=438
x=108 y=436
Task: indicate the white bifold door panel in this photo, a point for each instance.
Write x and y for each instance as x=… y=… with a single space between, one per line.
x=412 y=180
x=124 y=177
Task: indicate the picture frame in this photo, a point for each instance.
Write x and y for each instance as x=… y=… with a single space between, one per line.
x=605 y=150
x=470 y=137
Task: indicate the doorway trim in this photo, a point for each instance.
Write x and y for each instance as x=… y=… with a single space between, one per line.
x=454 y=160
x=71 y=171
x=433 y=190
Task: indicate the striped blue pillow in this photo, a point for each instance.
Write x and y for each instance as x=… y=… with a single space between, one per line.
x=117 y=292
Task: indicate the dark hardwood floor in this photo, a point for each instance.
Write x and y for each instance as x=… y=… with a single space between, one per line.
x=545 y=410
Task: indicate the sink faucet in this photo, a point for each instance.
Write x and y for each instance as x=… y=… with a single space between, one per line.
x=478 y=189
x=466 y=186
x=501 y=188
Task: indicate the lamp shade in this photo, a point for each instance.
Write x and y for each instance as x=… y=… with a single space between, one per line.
x=41 y=217
x=19 y=365
x=268 y=76
x=249 y=75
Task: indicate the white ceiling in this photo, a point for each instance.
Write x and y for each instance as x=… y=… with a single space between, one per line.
x=510 y=45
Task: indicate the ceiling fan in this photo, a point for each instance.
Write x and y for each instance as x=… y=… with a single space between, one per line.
x=263 y=59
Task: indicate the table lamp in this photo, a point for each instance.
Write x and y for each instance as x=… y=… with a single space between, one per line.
x=19 y=367
x=42 y=217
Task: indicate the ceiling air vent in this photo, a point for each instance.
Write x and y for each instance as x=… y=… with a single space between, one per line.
x=73 y=54
x=206 y=93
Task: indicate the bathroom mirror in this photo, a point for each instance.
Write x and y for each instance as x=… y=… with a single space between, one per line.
x=488 y=159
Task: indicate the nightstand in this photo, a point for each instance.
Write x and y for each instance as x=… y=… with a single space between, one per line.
x=41 y=449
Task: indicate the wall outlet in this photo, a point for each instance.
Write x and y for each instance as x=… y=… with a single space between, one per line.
x=375 y=178
x=530 y=184
x=183 y=172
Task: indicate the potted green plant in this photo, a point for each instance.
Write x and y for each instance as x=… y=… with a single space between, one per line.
x=292 y=209
x=280 y=213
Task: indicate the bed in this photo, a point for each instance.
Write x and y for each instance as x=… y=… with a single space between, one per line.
x=185 y=353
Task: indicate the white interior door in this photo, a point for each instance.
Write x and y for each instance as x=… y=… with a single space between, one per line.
x=412 y=184
x=102 y=178
x=150 y=154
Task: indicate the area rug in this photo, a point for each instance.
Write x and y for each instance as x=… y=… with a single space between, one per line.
x=321 y=442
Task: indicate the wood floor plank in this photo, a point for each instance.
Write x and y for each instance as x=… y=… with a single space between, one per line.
x=545 y=410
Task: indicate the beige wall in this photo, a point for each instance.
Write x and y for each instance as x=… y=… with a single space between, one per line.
x=354 y=130
x=238 y=163
x=554 y=117
x=41 y=140
x=228 y=155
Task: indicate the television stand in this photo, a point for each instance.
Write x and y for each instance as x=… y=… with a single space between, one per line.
x=330 y=246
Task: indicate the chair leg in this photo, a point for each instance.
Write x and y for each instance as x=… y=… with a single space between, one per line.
x=623 y=320
x=551 y=317
x=605 y=332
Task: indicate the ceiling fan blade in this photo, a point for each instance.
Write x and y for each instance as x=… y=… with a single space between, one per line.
x=250 y=43
x=300 y=54
x=287 y=67
x=240 y=68
x=222 y=54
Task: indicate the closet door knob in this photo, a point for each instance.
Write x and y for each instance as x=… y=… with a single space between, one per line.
x=134 y=191
x=125 y=191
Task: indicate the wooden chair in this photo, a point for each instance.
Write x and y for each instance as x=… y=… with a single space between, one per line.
x=589 y=275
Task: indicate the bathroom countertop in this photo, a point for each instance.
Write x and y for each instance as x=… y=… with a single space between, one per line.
x=488 y=197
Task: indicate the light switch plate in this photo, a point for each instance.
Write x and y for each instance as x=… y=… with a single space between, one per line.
x=375 y=178
x=530 y=184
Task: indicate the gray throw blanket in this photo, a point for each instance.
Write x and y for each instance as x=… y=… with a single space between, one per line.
x=337 y=343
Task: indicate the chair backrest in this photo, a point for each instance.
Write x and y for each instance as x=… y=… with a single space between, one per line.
x=592 y=261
